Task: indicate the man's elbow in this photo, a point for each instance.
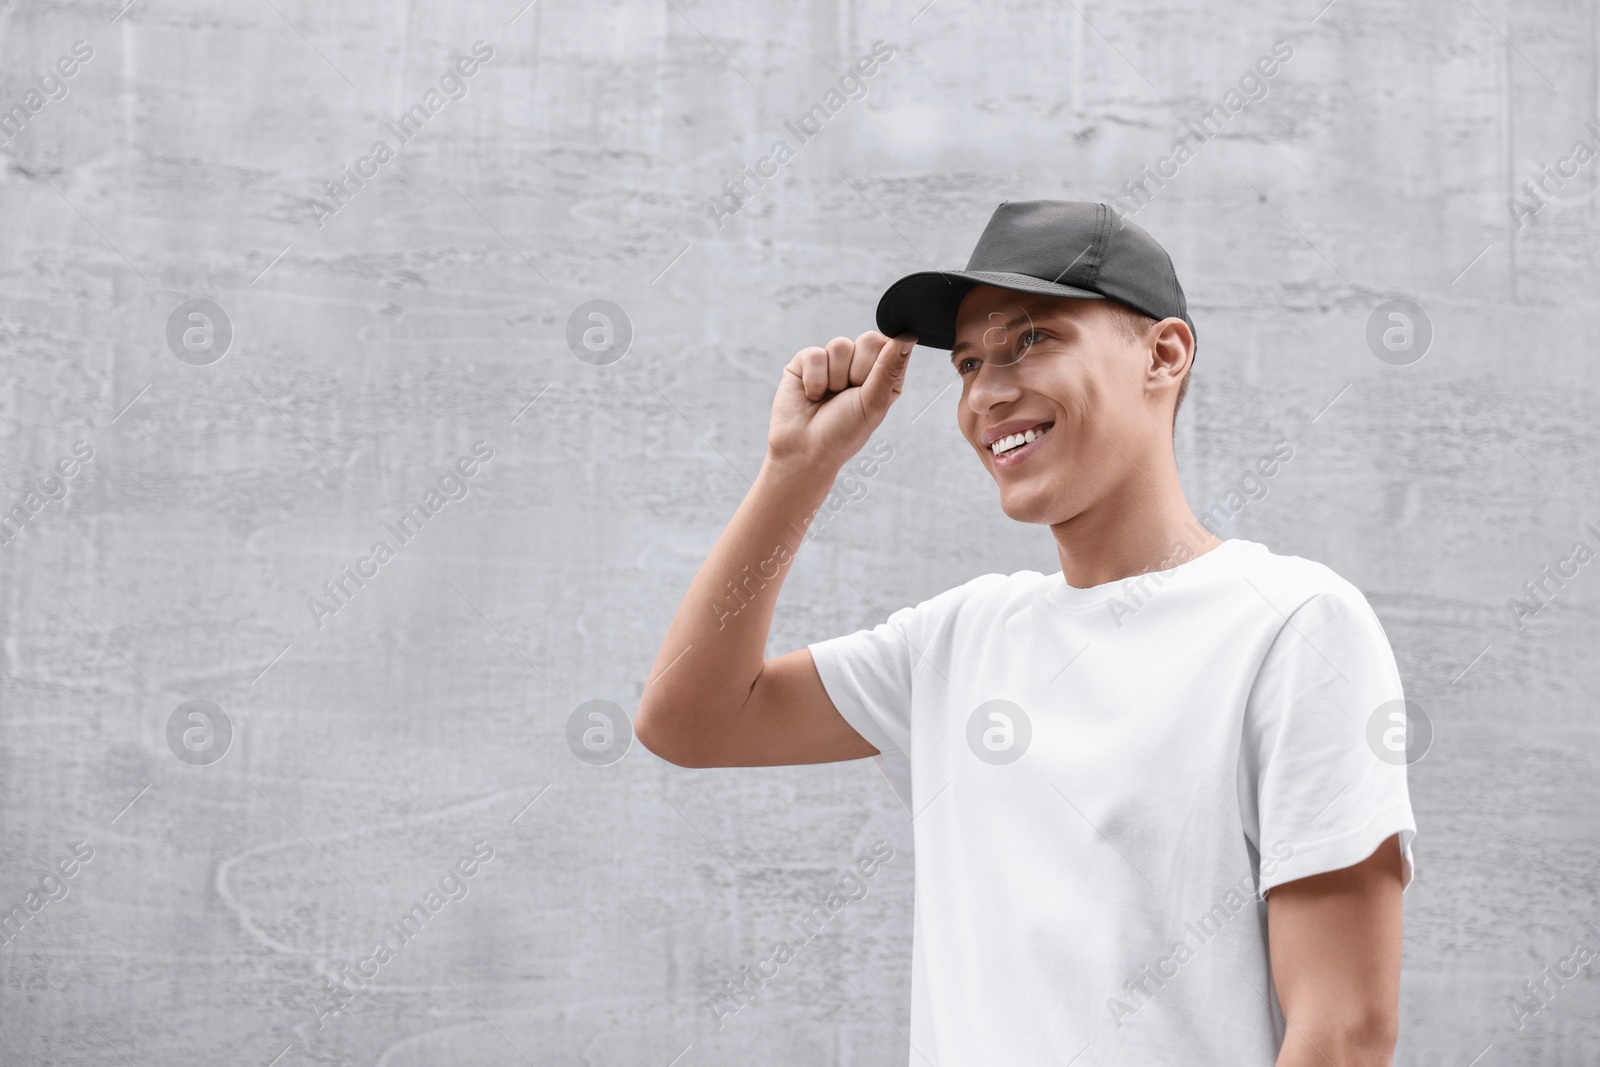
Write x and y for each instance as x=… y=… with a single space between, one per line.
x=1371 y=1041
x=662 y=737
x=1365 y=1039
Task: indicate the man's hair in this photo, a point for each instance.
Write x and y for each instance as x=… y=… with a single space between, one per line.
x=1134 y=324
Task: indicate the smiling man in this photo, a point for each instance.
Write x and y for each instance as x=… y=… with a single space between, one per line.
x=1151 y=822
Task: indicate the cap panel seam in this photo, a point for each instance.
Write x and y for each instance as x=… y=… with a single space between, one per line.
x=1097 y=254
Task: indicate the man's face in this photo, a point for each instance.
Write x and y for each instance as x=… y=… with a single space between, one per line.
x=1062 y=369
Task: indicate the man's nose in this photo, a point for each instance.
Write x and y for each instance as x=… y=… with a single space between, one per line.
x=992 y=383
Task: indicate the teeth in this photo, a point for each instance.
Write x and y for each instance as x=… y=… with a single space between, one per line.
x=1006 y=444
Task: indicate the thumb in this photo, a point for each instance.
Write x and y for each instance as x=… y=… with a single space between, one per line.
x=888 y=374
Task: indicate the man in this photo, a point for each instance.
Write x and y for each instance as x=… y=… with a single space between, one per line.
x=1150 y=825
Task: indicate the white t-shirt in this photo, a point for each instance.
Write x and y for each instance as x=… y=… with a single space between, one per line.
x=1179 y=743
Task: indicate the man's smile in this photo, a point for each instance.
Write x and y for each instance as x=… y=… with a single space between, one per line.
x=1012 y=442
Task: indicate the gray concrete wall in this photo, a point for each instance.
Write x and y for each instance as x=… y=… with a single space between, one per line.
x=368 y=747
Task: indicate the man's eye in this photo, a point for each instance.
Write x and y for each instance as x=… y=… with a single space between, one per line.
x=961 y=365
x=1032 y=333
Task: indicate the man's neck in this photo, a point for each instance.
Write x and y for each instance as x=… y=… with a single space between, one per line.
x=1140 y=531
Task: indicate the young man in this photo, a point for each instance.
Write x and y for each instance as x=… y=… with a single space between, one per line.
x=1150 y=825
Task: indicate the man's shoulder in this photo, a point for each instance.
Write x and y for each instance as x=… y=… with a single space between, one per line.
x=1289 y=582
x=992 y=588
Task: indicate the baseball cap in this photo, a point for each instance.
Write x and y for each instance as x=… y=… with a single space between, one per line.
x=1050 y=247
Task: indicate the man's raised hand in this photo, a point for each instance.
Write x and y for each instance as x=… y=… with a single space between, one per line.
x=832 y=398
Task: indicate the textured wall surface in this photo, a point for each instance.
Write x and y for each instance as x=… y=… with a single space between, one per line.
x=356 y=349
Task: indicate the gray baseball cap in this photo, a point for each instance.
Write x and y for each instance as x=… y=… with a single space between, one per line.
x=1050 y=247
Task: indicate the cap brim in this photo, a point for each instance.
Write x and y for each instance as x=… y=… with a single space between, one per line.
x=925 y=303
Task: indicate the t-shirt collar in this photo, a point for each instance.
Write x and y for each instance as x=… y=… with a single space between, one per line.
x=1222 y=556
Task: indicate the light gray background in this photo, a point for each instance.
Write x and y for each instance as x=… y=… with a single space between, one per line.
x=369 y=354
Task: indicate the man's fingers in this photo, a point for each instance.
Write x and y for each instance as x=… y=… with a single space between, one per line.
x=840 y=350
x=866 y=350
x=812 y=364
x=843 y=363
x=888 y=373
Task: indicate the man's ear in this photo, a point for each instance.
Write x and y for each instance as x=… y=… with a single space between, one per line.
x=1171 y=349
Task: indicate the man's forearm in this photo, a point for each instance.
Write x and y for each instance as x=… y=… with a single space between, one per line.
x=716 y=646
x=828 y=403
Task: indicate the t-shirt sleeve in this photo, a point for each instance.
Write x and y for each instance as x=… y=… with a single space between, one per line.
x=1321 y=781
x=868 y=677
x=869 y=674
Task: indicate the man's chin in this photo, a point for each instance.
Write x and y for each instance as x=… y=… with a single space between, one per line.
x=1031 y=505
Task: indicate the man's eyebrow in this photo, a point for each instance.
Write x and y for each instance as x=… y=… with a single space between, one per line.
x=1016 y=320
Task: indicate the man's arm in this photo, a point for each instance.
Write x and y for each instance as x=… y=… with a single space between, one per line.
x=1335 y=945
x=713 y=700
